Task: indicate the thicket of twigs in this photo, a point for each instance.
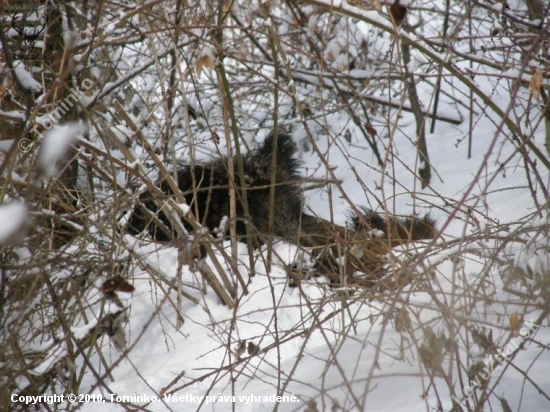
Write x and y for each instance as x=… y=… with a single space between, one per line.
x=174 y=82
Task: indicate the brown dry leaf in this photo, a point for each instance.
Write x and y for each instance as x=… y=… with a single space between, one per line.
x=244 y=52
x=402 y=321
x=265 y=8
x=371 y=130
x=504 y=404
x=206 y=60
x=535 y=83
x=330 y=55
x=117 y=283
x=252 y=349
x=227 y=5
x=515 y=323
x=397 y=12
x=241 y=349
x=375 y=4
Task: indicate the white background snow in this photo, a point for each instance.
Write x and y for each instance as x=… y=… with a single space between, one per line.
x=355 y=350
x=313 y=344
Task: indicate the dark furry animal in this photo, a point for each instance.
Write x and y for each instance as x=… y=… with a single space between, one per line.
x=206 y=190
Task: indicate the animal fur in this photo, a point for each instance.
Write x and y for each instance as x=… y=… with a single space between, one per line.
x=206 y=190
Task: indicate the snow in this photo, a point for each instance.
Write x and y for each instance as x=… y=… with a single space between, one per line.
x=13 y=216
x=312 y=23
x=5 y=145
x=13 y=114
x=26 y=79
x=320 y=359
x=340 y=348
x=81 y=332
x=55 y=144
x=57 y=352
x=122 y=133
x=86 y=100
x=184 y=208
x=312 y=344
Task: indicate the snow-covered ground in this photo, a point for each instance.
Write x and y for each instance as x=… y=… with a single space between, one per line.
x=315 y=347
x=311 y=344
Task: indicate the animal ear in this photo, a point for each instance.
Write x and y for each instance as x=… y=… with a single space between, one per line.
x=368 y=219
x=287 y=162
x=285 y=145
